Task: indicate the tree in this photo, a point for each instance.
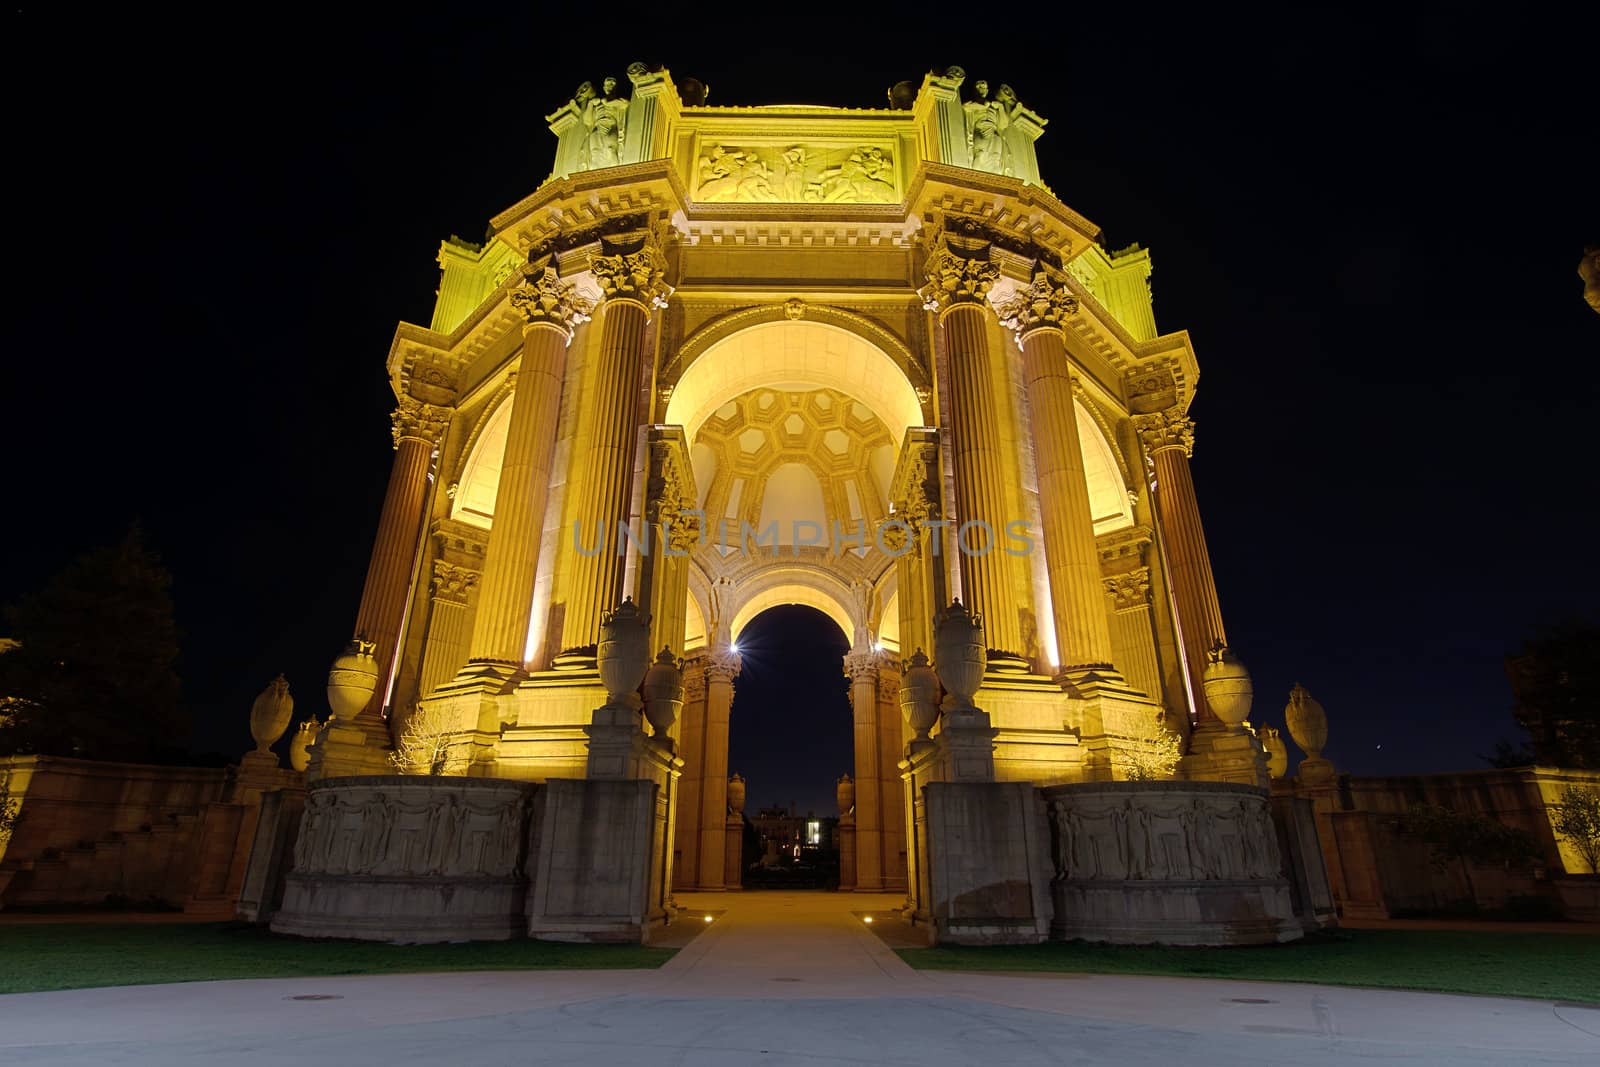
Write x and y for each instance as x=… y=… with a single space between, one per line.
x=1576 y=817
x=1155 y=754
x=92 y=672
x=424 y=745
x=1467 y=838
x=1556 y=683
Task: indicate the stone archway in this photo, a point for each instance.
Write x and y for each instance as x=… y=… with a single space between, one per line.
x=790 y=424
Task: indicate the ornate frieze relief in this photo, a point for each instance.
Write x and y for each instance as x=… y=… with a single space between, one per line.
x=1161 y=835
x=795 y=174
x=350 y=830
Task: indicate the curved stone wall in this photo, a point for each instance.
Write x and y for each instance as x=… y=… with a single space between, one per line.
x=410 y=858
x=1175 y=863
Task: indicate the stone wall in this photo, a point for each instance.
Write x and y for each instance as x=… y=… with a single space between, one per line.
x=88 y=830
x=1178 y=863
x=1378 y=872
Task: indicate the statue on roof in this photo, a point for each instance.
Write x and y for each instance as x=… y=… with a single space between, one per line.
x=605 y=117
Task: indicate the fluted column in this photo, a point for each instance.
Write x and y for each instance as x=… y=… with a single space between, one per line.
x=511 y=563
x=1072 y=560
x=1168 y=438
x=445 y=650
x=720 y=672
x=1132 y=635
x=633 y=284
x=891 y=747
x=958 y=288
x=691 y=747
x=862 y=669
x=416 y=428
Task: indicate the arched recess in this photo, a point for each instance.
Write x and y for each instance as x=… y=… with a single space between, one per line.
x=794 y=353
x=1108 y=494
x=479 y=481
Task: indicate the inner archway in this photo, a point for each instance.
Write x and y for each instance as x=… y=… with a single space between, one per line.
x=790 y=738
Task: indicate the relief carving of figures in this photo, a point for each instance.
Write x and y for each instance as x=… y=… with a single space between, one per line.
x=445 y=822
x=604 y=117
x=797 y=174
x=376 y=821
x=316 y=833
x=1139 y=856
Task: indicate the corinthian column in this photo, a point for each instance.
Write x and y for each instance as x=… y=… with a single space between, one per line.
x=720 y=672
x=1168 y=438
x=1072 y=560
x=505 y=594
x=958 y=286
x=633 y=284
x=862 y=669
x=416 y=429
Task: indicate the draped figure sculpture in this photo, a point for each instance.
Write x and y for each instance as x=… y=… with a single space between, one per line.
x=605 y=118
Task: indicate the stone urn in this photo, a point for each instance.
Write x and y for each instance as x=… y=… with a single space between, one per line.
x=663 y=692
x=624 y=654
x=1277 y=751
x=1227 y=687
x=960 y=655
x=300 y=744
x=351 y=680
x=736 y=794
x=845 y=794
x=270 y=714
x=919 y=694
x=1308 y=722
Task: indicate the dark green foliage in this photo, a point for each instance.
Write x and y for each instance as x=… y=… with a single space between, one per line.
x=1556 y=683
x=94 y=674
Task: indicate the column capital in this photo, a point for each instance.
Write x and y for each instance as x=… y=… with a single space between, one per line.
x=723 y=666
x=1165 y=430
x=545 y=300
x=637 y=277
x=958 y=277
x=415 y=421
x=452 y=583
x=861 y=666
x=1130 y=589
x=1043 y=304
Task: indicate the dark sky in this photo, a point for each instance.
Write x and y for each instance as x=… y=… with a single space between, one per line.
x=1369 y=222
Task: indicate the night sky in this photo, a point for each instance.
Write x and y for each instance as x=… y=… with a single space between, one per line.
x=1370 y=226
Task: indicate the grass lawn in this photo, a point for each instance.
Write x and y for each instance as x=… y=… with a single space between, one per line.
x=1548 y=966
x=42 y=956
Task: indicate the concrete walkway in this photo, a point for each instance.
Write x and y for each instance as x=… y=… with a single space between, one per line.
x=779 y=978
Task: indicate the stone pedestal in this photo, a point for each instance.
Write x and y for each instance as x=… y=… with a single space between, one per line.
x=987 y=860
x=343 y=750
x=1303 y=866
x=965 y=747
x=271 y=854
x=596 y=877
x=1221 y=753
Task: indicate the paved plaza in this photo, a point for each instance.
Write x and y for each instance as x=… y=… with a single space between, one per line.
x=781 y=978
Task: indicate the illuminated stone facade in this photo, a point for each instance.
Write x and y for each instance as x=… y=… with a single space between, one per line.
x=835 y=325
